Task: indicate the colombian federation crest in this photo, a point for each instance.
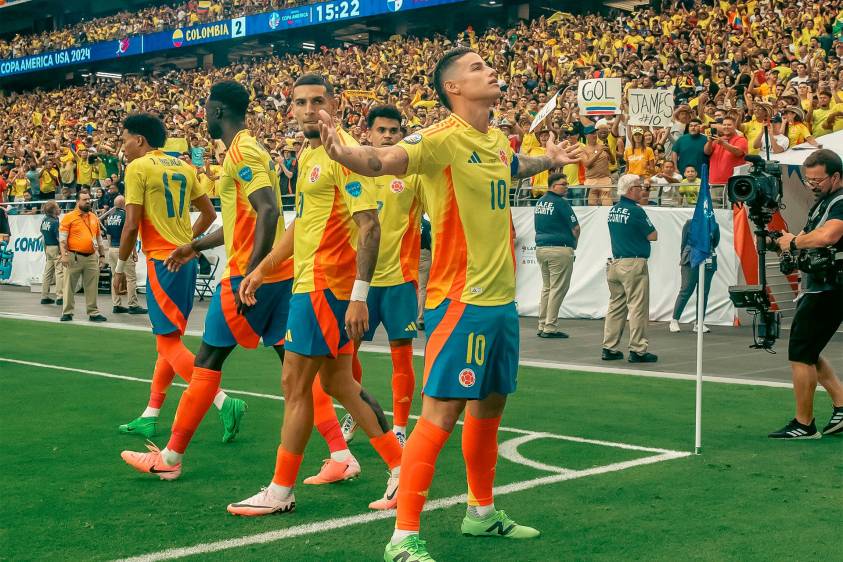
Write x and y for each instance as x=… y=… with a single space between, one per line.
x=467 y=378
x=314 y=174
x=397 y=186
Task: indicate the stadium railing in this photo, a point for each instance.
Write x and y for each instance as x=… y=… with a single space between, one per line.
x=521 y=195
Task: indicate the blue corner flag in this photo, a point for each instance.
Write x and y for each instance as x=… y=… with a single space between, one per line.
x=703 y=224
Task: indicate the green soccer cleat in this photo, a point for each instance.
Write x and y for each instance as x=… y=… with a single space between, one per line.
x=411 y=549
x=230 y=415
x=498 y=524
x=147 y=427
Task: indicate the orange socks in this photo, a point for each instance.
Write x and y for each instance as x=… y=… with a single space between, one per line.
x=287 y=466
x=193 y=406
x=388 y=448
x=162 y=378
x=325 y=418
x=403 y=384
x=174 y=351
x=480 y=451
x=417 y=468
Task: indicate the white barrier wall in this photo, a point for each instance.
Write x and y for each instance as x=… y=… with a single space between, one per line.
x=588 y=296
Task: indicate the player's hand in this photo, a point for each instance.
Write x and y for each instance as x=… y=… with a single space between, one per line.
x=249 y=286
x=240 y=306
x=562 y=153
x=135 y=256
x=328 y=134
x=118 y=282
x=65 y=259
x=179 y=257
x=356 y=320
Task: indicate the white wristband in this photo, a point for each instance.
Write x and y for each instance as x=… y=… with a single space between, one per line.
x=360 y=290
x=121 y=266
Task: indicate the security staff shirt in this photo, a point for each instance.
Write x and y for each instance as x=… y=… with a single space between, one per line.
x=629 y=227
x=50 y=230
x=114 y=226
x=555 y=221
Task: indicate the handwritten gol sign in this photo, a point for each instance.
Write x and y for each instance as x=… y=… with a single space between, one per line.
x=651 y=107
x=599 y=96
x=544 y=112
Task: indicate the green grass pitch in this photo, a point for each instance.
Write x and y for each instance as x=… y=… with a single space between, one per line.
x=67 y=495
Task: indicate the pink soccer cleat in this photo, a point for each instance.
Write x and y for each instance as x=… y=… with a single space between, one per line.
x=390 y=497
x=336 y=471
x=262 y=503
x=151 y=463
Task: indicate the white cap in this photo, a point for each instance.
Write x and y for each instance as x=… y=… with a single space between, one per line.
x=601 y=123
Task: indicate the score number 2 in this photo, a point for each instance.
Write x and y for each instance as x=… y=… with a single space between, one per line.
x=337 y=10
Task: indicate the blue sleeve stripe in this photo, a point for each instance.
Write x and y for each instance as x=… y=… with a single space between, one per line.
x=513 y=166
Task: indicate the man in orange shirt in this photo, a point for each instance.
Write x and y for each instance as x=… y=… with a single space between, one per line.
x=80 y=239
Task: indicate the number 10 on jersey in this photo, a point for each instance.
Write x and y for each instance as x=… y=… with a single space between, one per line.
x=498 y=192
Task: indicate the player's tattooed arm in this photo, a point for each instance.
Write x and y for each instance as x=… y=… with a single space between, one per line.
x=364 y=160
x=558 y=154
x=368 y=242
x=529 y=166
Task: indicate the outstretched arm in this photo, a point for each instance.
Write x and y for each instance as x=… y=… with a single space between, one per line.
x=558 y=154
x=364 y=160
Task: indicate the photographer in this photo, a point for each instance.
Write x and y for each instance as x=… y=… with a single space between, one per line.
x=820 y=306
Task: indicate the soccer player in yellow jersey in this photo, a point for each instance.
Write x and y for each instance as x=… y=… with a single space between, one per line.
x=471 y=359
x=159 y=192
x=392 y=301
x=335 y=238
x=252 y=221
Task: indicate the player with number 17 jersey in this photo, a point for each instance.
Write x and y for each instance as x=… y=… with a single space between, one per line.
x=470 y=313
x=165 y=186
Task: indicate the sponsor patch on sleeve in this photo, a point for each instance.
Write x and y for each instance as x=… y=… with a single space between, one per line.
x=245 y=173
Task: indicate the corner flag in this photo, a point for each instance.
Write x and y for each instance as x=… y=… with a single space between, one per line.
x=703 y=224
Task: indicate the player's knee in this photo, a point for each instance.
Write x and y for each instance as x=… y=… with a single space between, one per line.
x=210 y=357
x=295 y=386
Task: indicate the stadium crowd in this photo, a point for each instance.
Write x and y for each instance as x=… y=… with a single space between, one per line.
x=735 y=67
x=126 y=23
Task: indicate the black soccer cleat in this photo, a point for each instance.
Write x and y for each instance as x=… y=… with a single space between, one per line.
x=796 y=430
x=835 y=424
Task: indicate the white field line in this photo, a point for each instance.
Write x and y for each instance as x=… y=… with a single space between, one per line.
x=89 y=372
x=560 y=475
x=541 y=364
x=508 y=450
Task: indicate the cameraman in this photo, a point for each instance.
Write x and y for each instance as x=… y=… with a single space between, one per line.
x=819 y=311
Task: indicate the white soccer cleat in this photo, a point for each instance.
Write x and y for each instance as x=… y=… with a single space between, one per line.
x=390 y=497
x=263 y=503
x=348 y=427
x=674 y=327
x=706 y=329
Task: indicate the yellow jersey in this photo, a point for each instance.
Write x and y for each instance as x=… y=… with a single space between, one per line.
x=84 y=171
x=247 y=168
x=399 y=213
x=465 y=176
x=164 y=186
x=327 y=196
